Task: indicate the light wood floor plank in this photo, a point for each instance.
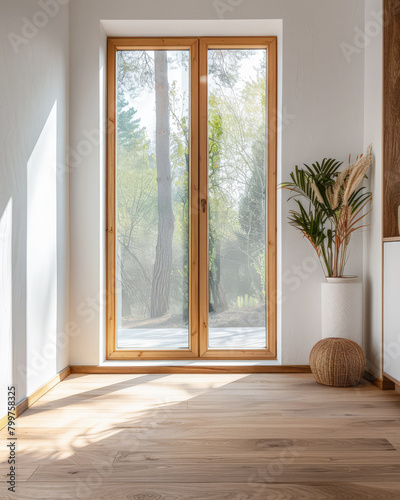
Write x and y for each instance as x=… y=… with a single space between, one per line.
x=214 y=437
x=221 y=473
x=201 y=491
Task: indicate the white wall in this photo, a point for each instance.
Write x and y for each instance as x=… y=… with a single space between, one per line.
x=371 y=51
x=34 y=61
x=323 y=115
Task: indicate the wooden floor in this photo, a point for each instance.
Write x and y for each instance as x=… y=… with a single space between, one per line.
x=220 y=436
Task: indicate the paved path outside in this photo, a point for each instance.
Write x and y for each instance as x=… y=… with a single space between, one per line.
x=177 y=338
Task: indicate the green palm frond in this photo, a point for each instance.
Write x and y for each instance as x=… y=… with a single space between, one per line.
x=326 y=171
x=358 y=198
x=309 y=222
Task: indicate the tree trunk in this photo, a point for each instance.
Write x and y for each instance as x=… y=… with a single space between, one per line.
x=216 y=290
x=161 y=284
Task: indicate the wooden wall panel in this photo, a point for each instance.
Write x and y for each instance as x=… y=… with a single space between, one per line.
x=391 y=117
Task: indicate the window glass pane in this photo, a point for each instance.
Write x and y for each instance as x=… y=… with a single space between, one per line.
x=237 y=198
x=152 y=177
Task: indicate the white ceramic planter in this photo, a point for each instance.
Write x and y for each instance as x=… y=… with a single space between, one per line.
x=341 y=308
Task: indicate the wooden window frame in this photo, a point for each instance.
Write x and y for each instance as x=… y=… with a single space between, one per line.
x=114 y=45
x=198 y=172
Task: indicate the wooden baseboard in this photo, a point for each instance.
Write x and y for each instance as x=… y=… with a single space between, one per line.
x=29 y=400
x=391 y=380
x=3 y=422
x=88 y=369
x=384 y=383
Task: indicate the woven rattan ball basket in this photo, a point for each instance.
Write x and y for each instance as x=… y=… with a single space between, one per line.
x=337 y=362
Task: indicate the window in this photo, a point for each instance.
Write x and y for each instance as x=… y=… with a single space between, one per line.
x=191 y=198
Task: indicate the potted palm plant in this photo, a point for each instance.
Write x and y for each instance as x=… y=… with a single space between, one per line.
x=331 y=207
